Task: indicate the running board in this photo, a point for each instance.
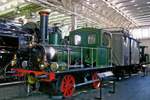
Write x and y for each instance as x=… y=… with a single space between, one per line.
x=85 y=83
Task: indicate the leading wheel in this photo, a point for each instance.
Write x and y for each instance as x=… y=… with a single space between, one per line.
x=97 y=83
x=67 y=85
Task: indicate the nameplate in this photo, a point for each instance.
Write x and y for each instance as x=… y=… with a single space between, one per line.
x=105 y=74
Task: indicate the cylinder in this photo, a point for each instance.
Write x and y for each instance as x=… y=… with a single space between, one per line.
x=44 y=26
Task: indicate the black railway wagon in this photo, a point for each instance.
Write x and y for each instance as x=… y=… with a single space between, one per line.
x=125 y=52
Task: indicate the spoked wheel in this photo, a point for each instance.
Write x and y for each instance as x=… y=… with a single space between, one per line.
x=67 y=85
x=96 y=84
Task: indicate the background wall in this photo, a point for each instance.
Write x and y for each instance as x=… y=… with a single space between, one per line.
x=146 y=42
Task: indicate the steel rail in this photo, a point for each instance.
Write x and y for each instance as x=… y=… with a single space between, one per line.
x=11 y=83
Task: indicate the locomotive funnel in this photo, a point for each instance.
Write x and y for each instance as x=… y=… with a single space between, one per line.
x=44 y=26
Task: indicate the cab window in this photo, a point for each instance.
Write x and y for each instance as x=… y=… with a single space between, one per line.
x=92 y=39
x=77 y=39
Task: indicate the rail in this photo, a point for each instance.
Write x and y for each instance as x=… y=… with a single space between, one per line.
x=11 y=83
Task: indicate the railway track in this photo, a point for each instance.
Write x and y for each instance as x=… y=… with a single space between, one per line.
x=12 y=89
x=11 y=83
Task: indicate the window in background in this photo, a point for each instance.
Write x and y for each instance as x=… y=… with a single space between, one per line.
x=140 y=33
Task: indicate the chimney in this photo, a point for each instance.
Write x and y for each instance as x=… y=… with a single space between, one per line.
x=44 y=26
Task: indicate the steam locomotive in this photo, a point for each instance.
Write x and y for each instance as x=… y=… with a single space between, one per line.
x=65 y=63
x=42 y=56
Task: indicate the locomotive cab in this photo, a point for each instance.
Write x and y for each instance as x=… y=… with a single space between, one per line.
x=95 y=45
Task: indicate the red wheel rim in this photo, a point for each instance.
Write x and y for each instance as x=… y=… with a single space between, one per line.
x=67 y=85
x=96 y=84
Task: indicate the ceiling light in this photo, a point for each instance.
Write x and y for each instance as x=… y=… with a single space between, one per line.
x=8 y=6
x=123 y=8
x=119 y=5
x=148 y=2
x=88 y=3
x=21 y=1
x=114 y=2
x=94 y=5
x=132 y=1
x=139 y=8
x=3 y=1
x=135 y=5
x=2 y=9
x=127 y=11
x=15 y=3
x=83 y=8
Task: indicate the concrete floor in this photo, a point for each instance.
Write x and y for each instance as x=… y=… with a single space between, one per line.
x=134 y=88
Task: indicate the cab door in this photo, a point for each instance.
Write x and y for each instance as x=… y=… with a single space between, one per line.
x=104 y=50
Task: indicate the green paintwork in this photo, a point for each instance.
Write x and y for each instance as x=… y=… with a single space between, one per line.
x=93 y=50
x=101 y=53
x=83 y=32
x=62 y=55
x=55 y=37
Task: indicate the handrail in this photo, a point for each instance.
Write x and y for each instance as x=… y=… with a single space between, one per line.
x=77 y=46
x=68 y=49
